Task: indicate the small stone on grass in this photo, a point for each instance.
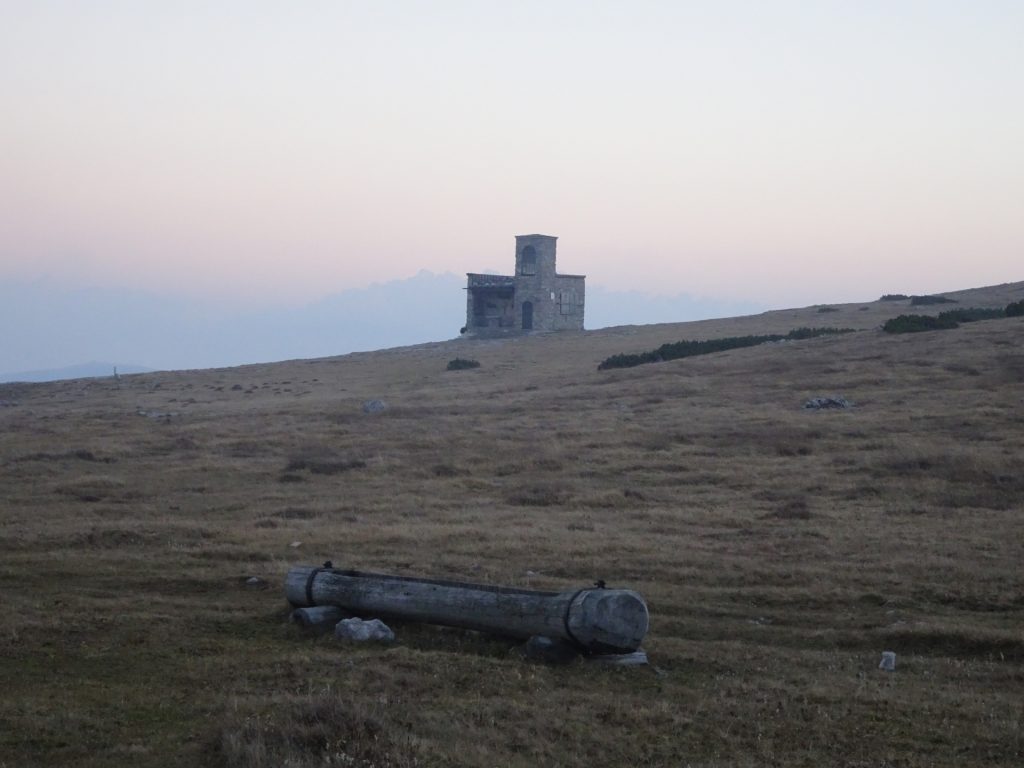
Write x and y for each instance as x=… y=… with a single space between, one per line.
x=364 y=631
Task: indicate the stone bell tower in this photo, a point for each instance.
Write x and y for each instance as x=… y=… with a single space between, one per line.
x=536 y=298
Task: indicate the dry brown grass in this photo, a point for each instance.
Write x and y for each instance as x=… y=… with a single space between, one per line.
x=780 y=551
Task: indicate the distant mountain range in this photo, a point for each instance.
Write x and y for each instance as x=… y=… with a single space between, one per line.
x=607 y=307
x=82 y=371
x=50 y=328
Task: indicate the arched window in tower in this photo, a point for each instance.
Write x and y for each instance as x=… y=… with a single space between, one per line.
x=528 y=261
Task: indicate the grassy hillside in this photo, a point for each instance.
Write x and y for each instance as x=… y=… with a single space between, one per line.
x=780 y=550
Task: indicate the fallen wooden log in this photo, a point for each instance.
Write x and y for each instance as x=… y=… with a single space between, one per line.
x=594 y=619
x=322 y=617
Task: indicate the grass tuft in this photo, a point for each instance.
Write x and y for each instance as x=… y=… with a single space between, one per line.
x=540 y=495
x=312 y=731
x=322 y=464
x=794 y=509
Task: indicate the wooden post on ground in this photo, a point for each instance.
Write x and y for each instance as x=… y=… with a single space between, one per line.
x=596 y=620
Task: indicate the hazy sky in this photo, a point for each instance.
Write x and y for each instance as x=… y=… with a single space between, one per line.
x=790 y=152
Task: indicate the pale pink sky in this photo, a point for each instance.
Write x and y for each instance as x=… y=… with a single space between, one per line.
x=785 y=152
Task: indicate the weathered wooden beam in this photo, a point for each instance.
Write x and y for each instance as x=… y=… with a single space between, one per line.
x=596 y=620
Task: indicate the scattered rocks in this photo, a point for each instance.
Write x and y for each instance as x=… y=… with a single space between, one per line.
x=255 y=582
x=888 y=663
x=374 y=406
x=364 y=631
x=549 y=651
x=821 y=403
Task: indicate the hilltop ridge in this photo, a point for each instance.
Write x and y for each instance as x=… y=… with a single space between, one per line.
x=780 y=550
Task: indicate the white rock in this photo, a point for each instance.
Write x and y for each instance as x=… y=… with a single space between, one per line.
x=835 y=401
x=363 y=631
x=321 y=617
x=888 y=662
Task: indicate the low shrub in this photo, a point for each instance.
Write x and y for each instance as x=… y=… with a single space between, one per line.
x=894 y=297
x=974 y=313
x=944 y=321
x=823 y=310
x=322 y=465
x=798 y=334
x=462 y=364
x=1015 y=309
x=680 y=349
x=923 y=301
x=918 y=323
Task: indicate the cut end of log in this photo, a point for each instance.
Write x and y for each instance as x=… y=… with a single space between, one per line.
x=295 y=586
x=608 y=620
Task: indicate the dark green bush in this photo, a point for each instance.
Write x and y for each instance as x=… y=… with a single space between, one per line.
x=461 y=364
x=680 y=349
x=629 y=360
x=918 y=323
x=894 y=297
x=810 y=333
x=823 y=310
x=922 y=301
x=322 y=465
x=951 y=318
x=970 y=315
x=1015 y=309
